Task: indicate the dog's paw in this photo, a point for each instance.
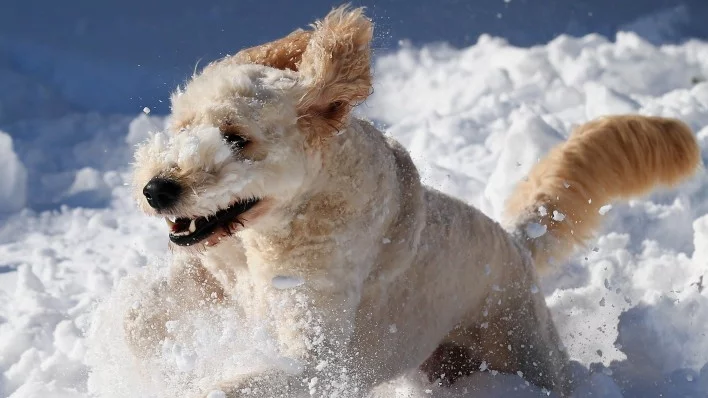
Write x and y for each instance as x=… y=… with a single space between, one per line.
x=144 y=328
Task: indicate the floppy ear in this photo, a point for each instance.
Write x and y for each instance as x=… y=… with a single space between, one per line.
x=284 y=53
x=335 y=69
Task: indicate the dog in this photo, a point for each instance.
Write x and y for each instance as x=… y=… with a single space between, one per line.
x=264 y=175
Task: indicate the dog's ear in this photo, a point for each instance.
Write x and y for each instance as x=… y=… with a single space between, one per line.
x=284 y=53
x=335 y=69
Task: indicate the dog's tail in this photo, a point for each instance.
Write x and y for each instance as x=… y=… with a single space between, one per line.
x=558 y=207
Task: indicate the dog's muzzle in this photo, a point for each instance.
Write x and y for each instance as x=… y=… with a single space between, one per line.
x=163 y=194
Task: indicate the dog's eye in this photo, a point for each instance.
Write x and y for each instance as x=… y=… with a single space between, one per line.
x=235 y=141
x=233 y=136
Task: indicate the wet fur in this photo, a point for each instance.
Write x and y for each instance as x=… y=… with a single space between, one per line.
x=397 y=275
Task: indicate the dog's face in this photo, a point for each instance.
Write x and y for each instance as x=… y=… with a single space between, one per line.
x=246 y=134
x=233 y=150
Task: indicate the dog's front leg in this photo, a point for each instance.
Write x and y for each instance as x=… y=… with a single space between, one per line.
x=313 y=324
x=316 y=328
x=188 y=286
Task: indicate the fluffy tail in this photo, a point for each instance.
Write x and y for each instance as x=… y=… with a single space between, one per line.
x=614 y=157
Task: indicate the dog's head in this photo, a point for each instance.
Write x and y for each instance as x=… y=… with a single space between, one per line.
x=246 y=133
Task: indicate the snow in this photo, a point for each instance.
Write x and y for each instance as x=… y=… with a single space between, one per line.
x=535 y=230
x=604 y=209
x=122 y=56
x=75 y=253
x=558 y=216
x=13 y=177
x=287 y=282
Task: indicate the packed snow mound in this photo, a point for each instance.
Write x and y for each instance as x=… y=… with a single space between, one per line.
x=631 y=309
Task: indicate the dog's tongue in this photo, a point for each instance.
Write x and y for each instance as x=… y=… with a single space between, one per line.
x=181 y=224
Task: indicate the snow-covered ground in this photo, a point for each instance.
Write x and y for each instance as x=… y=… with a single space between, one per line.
x=632 y=309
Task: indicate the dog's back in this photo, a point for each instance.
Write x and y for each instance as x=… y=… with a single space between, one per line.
x=474 y=274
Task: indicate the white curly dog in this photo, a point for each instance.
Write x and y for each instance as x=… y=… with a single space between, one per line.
x=266 y=179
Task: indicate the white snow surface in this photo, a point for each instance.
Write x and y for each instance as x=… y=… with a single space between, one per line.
x=632 y=308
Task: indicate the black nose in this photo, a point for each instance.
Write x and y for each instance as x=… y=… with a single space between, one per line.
x=162 y=193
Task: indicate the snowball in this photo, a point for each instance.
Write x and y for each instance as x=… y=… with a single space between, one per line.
x=604 y=209
x=558 y=216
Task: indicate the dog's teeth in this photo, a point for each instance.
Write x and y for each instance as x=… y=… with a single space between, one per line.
x=173 y=218
x=170 y=223
x=192 y=226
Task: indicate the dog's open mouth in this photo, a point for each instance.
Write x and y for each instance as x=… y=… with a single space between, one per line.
x=190 y=231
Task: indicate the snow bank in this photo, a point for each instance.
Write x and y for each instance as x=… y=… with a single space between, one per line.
x=73 y=160
x=140 y=128
x=13 y=177
x=631 y=309
x=73 y=56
